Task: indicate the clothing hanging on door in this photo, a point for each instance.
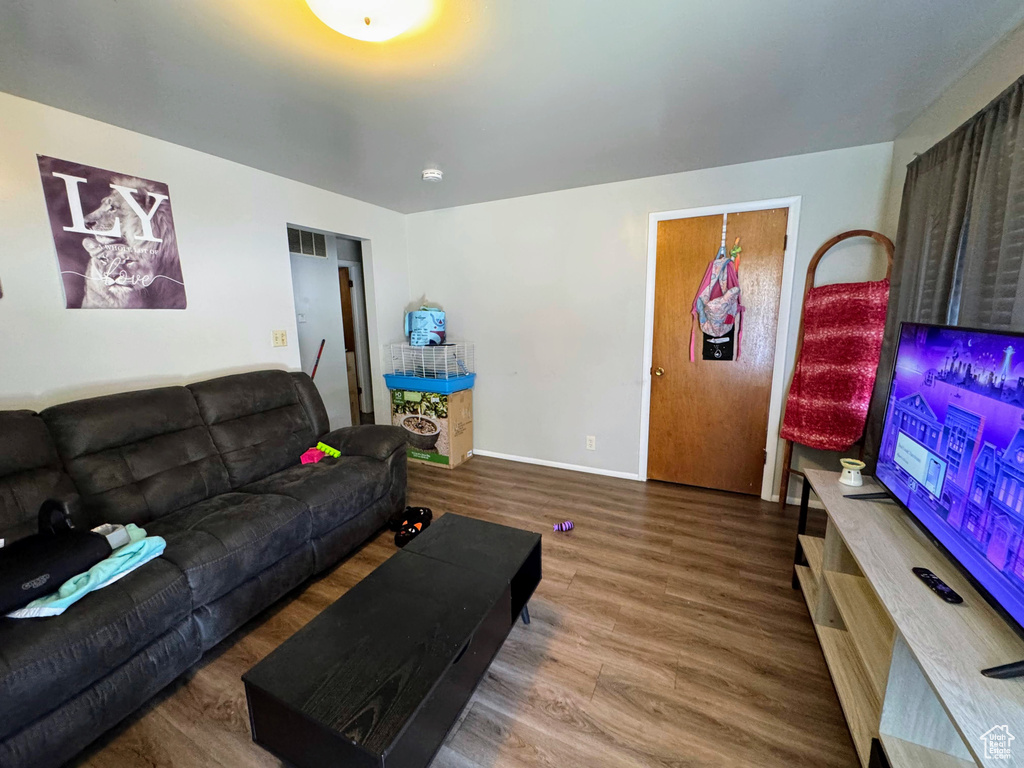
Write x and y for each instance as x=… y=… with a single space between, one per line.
x=719 y=347
x=718 y=306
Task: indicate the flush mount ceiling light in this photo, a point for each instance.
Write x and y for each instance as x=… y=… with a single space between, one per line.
x=372 y=20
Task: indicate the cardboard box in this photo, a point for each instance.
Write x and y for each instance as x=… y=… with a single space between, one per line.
x=439 y=427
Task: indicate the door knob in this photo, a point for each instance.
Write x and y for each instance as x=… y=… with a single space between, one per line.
x=659 y=371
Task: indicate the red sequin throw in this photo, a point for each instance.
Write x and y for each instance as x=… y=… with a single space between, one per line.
x=828 y=400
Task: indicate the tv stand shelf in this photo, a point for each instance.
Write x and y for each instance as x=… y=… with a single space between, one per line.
x=905 y=664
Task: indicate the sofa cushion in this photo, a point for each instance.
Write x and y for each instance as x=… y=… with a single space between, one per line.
x=334 y=490
x=139 y=455
x=378 y=441
x=338 y=542
x=30 y=470
x=44 y=662
x=221 y=542
x=218 y=619
x=58 y=736
x=257 y=422
x=312 y=403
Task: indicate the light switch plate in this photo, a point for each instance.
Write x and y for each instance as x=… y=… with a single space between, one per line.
x=280 y=338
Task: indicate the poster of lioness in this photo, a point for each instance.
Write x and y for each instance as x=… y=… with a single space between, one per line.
x=114 y=236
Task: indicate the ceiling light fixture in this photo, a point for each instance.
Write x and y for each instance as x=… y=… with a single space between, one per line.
x=432 y=174
x=372 y=20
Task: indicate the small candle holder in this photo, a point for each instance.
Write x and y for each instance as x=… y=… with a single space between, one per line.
x=851 y=472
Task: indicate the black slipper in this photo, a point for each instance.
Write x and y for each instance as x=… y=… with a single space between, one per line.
x=410 y=532
x=409 y=516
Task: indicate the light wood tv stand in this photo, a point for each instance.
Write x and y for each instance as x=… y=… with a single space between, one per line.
x=905 y=663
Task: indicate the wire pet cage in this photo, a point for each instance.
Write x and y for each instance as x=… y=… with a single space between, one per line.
x=445 y=361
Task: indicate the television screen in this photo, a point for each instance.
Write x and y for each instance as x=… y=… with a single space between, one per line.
x=952 y=449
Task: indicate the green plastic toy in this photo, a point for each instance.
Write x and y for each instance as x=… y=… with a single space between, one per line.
x=334 y=453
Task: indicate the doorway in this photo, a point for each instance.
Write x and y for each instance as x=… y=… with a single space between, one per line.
x=331 y=321
x=709 y=422
x=352 y=290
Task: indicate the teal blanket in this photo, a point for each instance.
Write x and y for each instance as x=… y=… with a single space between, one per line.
x=122 y=561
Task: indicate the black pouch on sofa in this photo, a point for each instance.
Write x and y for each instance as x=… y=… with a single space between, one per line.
x=39 y=564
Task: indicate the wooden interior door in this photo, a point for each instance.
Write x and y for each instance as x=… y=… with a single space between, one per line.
x=347 y=318
x=709 y=418
x=349 y=323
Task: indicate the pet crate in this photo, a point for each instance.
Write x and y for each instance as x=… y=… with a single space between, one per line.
x=443 y=368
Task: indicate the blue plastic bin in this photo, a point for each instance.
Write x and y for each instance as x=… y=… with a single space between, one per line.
x=423 y=384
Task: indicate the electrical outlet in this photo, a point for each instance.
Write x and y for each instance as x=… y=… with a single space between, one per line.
x=591 y=443
x=300 y=318
x=280 y=338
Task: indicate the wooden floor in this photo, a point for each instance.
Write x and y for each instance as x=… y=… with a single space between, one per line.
x=664 y=633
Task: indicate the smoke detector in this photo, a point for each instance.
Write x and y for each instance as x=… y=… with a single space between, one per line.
x=432 y=174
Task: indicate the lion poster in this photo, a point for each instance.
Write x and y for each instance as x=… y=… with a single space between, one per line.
x=114 y=236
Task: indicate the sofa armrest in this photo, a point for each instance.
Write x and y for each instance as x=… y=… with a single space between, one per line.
x=378 y=441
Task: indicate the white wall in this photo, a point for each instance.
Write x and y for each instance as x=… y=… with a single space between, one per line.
x=551 y=287
x=999 y=68
x=230 y=223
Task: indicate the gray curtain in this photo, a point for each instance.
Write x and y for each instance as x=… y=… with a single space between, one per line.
x=960 y=244
x=992 y=295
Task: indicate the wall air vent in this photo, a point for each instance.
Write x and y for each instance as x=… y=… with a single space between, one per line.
x=307 y=243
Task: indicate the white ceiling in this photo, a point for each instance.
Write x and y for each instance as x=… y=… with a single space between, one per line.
x=508 y=97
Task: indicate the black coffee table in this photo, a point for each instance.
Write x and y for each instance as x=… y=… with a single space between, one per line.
x=379 y=678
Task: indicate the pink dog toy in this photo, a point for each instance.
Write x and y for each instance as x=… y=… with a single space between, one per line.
x=312 y=456
x=562 y=527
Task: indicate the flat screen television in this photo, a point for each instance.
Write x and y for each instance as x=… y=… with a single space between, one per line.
x=952 y=451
